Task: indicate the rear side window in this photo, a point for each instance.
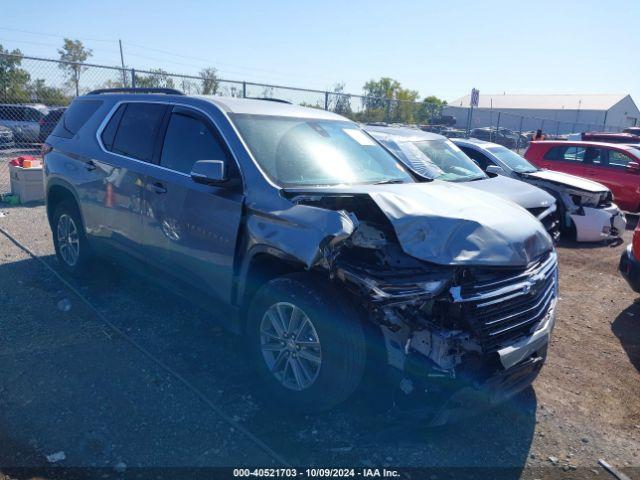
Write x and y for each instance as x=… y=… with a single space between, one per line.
x=75 y=117
x=32 y=115
x=565 y=154
x=9 y=112
x=619 y=159
x=189 y=139
x=136 y=131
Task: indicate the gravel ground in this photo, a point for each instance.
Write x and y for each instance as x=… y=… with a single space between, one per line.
x=70 y=384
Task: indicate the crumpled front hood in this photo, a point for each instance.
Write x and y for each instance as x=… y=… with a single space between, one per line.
x=447 y=224
x=525 y=195
x=569 y=180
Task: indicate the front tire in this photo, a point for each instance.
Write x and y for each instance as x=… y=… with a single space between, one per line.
x=69 y=238
x=307 y=343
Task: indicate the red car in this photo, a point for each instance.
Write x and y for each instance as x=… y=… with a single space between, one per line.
x=630 y=261
x=615 y=165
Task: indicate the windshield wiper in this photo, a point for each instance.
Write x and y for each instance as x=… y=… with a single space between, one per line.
x=388 y=182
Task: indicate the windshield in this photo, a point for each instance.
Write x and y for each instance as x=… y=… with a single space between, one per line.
x=514 y=161
x=297 y=151
x=440 y=159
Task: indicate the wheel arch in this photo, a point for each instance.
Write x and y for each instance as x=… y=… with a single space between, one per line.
x=58 y=191
x=262 y=263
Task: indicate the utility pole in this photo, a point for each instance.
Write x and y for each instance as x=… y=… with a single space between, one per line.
x=124 y=75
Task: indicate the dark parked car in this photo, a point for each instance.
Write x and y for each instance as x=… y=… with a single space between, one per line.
x=490 y=134
x=630 y=261
x=49 y=121
x=313 y=242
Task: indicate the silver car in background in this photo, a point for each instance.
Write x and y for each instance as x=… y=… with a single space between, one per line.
x=585 y=207
x=23 y=120
x=435 y=157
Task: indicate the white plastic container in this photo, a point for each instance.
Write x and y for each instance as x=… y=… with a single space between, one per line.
x=27 y=183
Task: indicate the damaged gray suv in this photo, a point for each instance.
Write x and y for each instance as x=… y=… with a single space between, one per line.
x=314 y=242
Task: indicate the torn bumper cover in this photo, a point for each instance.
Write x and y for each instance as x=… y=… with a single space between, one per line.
x=460 y=398
x=597 y=224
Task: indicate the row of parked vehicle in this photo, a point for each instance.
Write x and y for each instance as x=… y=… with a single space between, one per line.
x=346 y=255
x=25 y=124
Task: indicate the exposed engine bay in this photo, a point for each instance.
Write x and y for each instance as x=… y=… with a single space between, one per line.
x=435 y=319
x=590 y=211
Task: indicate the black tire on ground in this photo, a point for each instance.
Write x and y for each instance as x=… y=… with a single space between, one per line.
x=340 y=334
x=67 y=211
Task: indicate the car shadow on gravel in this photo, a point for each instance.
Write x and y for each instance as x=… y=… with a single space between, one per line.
x=357 y=433
x=186 y=339
x=626 y=327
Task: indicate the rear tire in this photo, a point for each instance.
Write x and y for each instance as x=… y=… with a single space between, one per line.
x=69 y=240
x=307 y=343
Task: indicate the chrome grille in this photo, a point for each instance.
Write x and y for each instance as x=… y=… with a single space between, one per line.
x=510 y=304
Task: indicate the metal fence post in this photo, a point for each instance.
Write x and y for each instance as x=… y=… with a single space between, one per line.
x=326 y=100
x=519 y=135
x=498 y=125
x=244 y=89
x=133 y=78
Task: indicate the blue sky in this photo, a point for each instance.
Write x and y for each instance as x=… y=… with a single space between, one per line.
x=438 y=48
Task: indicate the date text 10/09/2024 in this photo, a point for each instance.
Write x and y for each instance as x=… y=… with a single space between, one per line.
x=315 y=472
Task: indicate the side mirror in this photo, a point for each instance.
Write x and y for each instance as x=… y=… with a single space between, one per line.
x=633 y=167
x=209 y=172
x=495 y=169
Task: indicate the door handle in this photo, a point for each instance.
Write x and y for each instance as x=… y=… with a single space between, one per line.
x=158 y=188
x=90 y=165
x=591 y=172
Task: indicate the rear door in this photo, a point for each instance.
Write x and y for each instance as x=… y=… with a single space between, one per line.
x=131 y=137
x=193 y=227
x=565 y=158
x=625 y=184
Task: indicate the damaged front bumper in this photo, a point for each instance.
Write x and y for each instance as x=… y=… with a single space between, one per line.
x=520 y=365
x=598 y=224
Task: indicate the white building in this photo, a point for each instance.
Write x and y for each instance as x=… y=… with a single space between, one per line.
x=552 y=113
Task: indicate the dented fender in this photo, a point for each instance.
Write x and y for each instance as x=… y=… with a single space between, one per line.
x=303 y=233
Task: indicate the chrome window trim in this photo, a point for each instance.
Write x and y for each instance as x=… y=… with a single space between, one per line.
x=115 y=107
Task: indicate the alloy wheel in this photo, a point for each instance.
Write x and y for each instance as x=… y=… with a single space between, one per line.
x=290 y=346
x=68 y=240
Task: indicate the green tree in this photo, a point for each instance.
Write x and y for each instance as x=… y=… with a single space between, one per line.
x=340 y=102
x=73 y=54
x=39 y=92
x=429 y=109
x=377 y=98
x=13 y=79
x=157 y=78
x=209 y=81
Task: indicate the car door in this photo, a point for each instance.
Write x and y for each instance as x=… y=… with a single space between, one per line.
x=131 y=138
x=194 y=226
x=565 y=158
x=624 y=182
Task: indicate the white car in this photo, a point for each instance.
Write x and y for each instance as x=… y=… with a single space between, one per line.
x=585 y=206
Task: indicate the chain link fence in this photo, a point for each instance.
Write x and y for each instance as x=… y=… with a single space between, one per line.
x=34 y=92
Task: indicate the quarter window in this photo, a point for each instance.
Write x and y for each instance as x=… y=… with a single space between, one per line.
x=136 y=133
x=74 y=117
x=189 y=139
x=618 y=159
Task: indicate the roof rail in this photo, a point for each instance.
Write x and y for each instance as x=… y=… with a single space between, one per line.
x=270 y=99
x=166 y=91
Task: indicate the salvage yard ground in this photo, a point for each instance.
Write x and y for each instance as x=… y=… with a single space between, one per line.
x=70 y=383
